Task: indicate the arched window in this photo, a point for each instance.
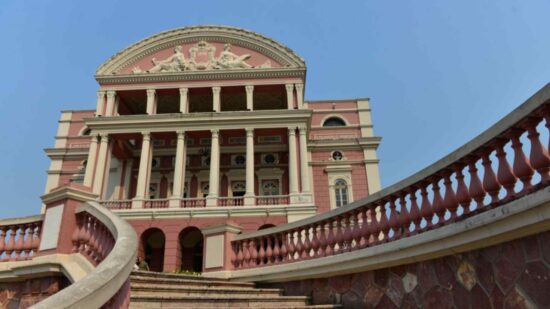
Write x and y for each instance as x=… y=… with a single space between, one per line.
x=271 y=187
x=334 y=122
x=86 y=132
x=341 y=192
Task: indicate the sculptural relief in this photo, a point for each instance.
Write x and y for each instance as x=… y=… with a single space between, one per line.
x=201 y=58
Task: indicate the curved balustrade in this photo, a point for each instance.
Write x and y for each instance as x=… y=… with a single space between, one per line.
x=506 y=162
x=230 y=201
x=110 y=244
x=19 y=238
x=272 y=200
x=155 y=203
x=116 y=204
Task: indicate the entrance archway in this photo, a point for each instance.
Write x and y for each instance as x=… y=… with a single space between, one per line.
x=191 y=244
x=153 y=241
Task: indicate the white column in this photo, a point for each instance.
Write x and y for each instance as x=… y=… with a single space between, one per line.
x=249 y=195
x=109 y=111
x=214 y=184
x=151 y=102
x=304 y=166
x=290 y=95
x=292 y=162
x=100 y=103
x=216 y=104
x=184 y=108
x=300 y=95
x=101 y=165
x=179 y=171
x=249 y=97
x=144 y=165
x=92 y=155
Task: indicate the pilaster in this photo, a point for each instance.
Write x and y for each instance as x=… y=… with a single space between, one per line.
x=300 y=95
x=100 y=103
x=184 y=100
x=151 y=102
x=290 y=95
x=249 y=97
x=216 y=104
x=111 y=95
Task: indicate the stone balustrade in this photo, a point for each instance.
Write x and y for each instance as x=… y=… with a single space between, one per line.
x=272 y=200
x=19 y=238
x=91 y=238
x=503 y=164
x=231 y=201
x=155 y=203
x=192 y=202
x=116 y=204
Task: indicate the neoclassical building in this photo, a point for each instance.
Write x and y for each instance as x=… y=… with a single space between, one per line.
x=208 y=125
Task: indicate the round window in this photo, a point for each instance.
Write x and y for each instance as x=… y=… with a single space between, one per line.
x=337 y=155
x=269 y=159
x=240 y=160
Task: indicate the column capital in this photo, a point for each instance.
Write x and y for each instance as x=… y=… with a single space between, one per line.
x=299 y=86
x=146 y=135
x=291 y=131
x=302 y=129
x=249 y=88
x=216 y=89
x=184 y=90
x=215 y=133
x=289 y=87
x=95 y=138
x=151 y=92
x=181 y=133
x=249 y=130
x=111 y=94
x=100 y=94
x=104 y=137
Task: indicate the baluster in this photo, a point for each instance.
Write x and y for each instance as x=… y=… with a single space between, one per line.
x=101 y=240
x=246 y=260
x=261 y=253
x=284 y=248
x=240 y=256
x=299 y=244
x=365 y=227
x=522 y=169
x=462 y=195
x=504 y=172
x=322 y=239
x=276 y=250
x=449 y=200
x=253 y=252
x=394 y=223
x=437 y=204
x=539 y=155
x=18 y=249
x=84 y=235
x=2 y=242
x=356 y=234
x=347 y=233
x=233 y=257
x=93 y=241
x=476 y=189
x=307 y=243
x=11 y=243
x=76 y=233
x=330 y=238
x=415 y=216
x=490 y=183
x=426 y=207
x=291 y=247
x=373 y=226
x=383 y=222
x=315 y=239
x=269 y=251
x=27 y=245
x=339 y=236
x=403 y=218
x=36 y=238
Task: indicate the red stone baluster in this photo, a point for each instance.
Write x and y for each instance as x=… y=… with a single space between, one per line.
x=437 y=203
x=19 y=242
x=269 y=251
x=505 y=176
x=85 y=235
x=300 y=248
x=291 y=246
x=101 y=241
x=27 y=245
x=253 y=248
x=403 y=218
x=315 y=239
x=331 y=243
x=247 y=253
x=347 y=233
x=414 y=213
x=373 y=226
x=365 y=227
x=36 y=238
x=476 y=189
x=284 y=248
x=92 y=244
x=449 y=200
x=426 y=207
x=11 y=243
x=261 y=253
x=462 y=195
x=522 y=169
x=539 y=155
x=394 y=223
x=383 y=222
x=276 y=250
x=233 y=257
x=322 y=239
x=307 y=242
x=240 y=256
x=356 y=234
x=490 y=182
x=76 y=234
x=339 y=236
x=2 y=242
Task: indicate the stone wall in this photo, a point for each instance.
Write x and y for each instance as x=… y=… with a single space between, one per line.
x=510 y=275
x=23 y=294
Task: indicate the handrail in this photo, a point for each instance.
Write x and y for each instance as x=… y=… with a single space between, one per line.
x=107 y=286
x=421 y=202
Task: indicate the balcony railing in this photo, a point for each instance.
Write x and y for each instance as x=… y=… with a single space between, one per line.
x=231 y=201
x=192 y=203
x=19 y=238
x=155 y=203
x=507 y=162
x=116 y=204
x=272 y=200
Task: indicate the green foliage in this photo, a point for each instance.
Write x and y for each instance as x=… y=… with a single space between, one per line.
x=187 y=272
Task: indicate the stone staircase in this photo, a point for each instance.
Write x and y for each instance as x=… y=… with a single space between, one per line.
x=150 y=290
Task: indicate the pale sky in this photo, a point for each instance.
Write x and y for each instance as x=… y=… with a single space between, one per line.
x=438 y=72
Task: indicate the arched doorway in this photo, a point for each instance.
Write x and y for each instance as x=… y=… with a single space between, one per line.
x=191 y=245
x=153 y=241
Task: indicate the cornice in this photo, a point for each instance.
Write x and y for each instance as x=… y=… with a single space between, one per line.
x=79 y=193
x=245 y=38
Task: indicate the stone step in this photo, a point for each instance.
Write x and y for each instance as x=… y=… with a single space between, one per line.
x=224 y=301
x=147 y=289
x=188 y=281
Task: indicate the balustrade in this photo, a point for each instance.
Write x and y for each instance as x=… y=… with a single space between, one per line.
x=272 y=200
x=230 y=201
x=479 y=176
x=116 y=204
x=19 y=239
x=156 y=203
x=91 y=238
x=193 y=202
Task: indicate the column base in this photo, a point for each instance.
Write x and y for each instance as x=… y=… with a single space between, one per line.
x=137 y=203
x=249 y=200
x=174 y=202
x=211 y=201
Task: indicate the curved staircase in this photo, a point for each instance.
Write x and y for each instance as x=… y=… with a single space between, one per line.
x=160 y=290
